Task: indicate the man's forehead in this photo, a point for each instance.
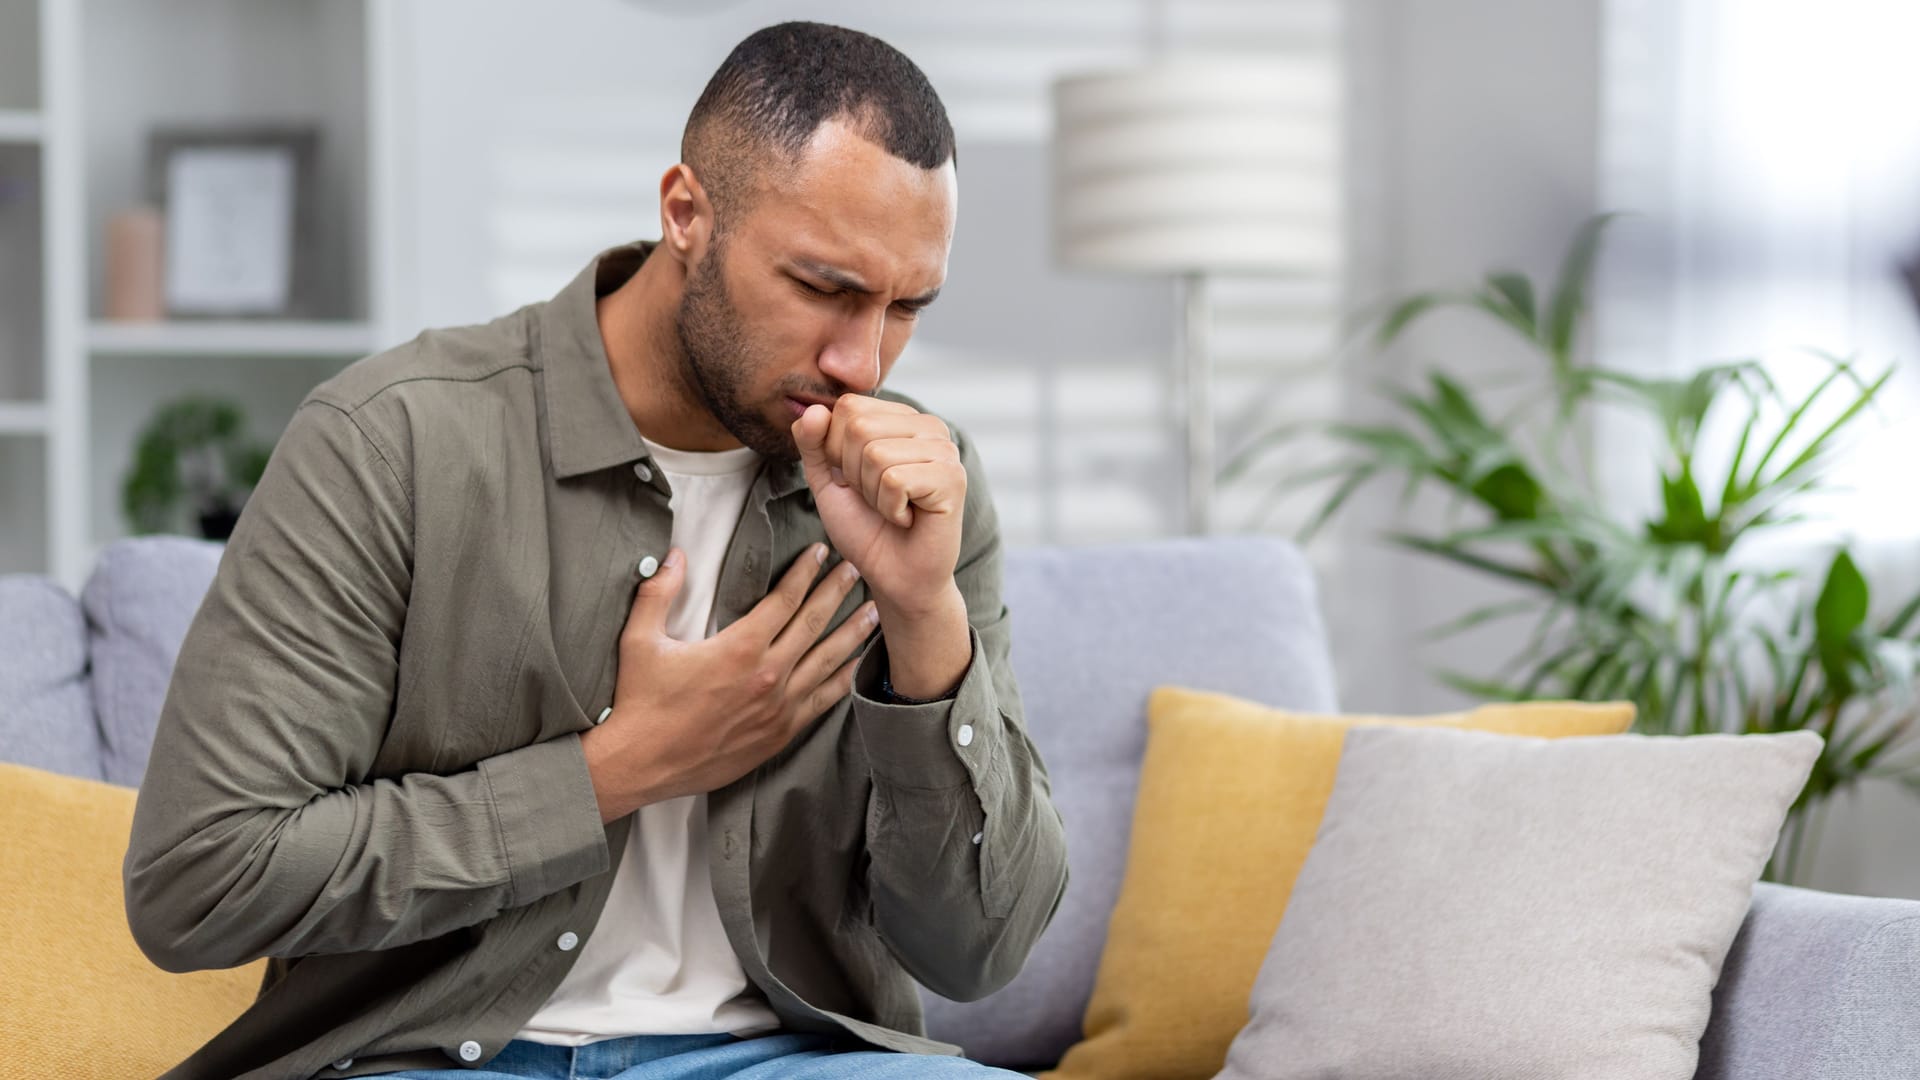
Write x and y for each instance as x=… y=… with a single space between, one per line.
x=848 y=205
x=837 y=165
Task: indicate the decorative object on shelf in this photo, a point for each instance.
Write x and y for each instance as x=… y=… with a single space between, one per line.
x=135 y=265
x=193 y=459
x=1194 y=168
x=1685 y=610
x=238 y=210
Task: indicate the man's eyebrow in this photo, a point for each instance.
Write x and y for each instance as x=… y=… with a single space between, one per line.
x=841 y=279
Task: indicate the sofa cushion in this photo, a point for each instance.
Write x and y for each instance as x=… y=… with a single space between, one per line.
x=140 y=599
x=1095 y=629
x=1819 y=986
x=1231 y=796
x=1501 y=907
x=79 y=997
x=46 y=713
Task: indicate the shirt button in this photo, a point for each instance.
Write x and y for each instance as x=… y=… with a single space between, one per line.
x=469 y=1051
x=604 y=713
x=567 y=941
x=966 y=734
x=640 y=470
x=647 y=566
x=343 y=1063
x=977 y=836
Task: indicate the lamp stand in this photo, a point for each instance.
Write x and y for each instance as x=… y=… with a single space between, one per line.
x=1194 y=383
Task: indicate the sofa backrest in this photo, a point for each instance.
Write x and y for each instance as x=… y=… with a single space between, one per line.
x=46 y=707
x=139 y=600
x=1095 y=629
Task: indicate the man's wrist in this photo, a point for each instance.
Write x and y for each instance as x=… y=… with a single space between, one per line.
x=912 y=611
x=618 y=786
x=928 y=649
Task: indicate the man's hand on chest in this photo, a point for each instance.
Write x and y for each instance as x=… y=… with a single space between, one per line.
x=693 y=716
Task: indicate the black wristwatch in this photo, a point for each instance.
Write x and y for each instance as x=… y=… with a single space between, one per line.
x=887 y=692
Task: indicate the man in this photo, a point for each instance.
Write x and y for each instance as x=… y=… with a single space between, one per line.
x=529 y=726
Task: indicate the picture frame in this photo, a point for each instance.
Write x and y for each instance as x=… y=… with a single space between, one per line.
x=237 y=206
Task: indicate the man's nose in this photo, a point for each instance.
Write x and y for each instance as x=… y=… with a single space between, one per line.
x=852 y=358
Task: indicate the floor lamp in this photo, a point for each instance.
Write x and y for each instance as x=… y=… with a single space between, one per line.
x=1198 y=167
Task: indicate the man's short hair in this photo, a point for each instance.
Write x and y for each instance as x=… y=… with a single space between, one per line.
x=778 y=86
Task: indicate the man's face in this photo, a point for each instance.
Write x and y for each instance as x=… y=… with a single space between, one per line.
x=814 y=292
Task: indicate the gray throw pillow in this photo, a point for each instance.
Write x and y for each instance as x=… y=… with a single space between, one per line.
x=1493 y=907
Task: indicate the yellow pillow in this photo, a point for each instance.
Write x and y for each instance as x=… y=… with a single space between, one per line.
x=1230 y=800
x=79 y=997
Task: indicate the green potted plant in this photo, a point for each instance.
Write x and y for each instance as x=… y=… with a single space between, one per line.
x=1678 y=609
x=192 y=461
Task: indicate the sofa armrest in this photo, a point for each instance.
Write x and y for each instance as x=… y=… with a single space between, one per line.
x=1818 y=987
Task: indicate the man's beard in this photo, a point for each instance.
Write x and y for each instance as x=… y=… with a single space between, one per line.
x=718 y=364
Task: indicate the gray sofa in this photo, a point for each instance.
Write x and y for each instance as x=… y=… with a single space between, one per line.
x=1818 y=987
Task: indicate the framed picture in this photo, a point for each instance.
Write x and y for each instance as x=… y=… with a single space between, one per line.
x=237 y=206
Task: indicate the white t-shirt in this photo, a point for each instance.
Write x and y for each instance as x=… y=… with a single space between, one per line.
x=658 y=962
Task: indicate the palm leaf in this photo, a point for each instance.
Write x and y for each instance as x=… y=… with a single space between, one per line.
x=1508 y=297
x=1335 y=501
x=1481 y=616
x=1406 y=311
x=1569 y=299
x=1521 y=574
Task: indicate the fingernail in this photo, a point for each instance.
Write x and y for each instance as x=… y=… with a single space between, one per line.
x=853 y=572
x=873 y=615
x=673 y=557
x=838 y=477
x=819 y=553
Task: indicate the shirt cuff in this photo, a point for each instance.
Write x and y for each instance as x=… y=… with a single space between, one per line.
x=547 y=816
x=940 y=744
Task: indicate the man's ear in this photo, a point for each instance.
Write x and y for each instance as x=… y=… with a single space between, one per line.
x=686 y=215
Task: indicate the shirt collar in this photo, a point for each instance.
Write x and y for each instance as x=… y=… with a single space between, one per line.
x=588 y=426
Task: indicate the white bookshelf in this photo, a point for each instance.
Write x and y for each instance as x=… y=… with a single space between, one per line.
x=23 y=418
x=20 y=126
x=259 y=339
x=82 y=85
x=29 y=169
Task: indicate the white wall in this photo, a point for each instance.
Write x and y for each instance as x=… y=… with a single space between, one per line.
x=1476 y=142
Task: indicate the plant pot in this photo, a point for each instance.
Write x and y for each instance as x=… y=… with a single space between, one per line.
x=217 y=522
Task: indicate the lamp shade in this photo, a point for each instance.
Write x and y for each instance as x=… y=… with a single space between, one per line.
x=1199 y=167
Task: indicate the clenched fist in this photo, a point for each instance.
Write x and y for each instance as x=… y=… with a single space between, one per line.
x=890 y=490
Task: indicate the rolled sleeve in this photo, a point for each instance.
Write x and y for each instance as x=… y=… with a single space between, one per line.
x=920 y=746
x=547 y=817
x=968 y=853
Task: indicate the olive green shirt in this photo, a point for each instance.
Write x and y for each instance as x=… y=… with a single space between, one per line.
x=368 y=766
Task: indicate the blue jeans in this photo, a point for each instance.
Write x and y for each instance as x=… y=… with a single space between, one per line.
x=711 y=1057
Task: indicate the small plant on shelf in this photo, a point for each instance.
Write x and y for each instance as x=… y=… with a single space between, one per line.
x=193 y=467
